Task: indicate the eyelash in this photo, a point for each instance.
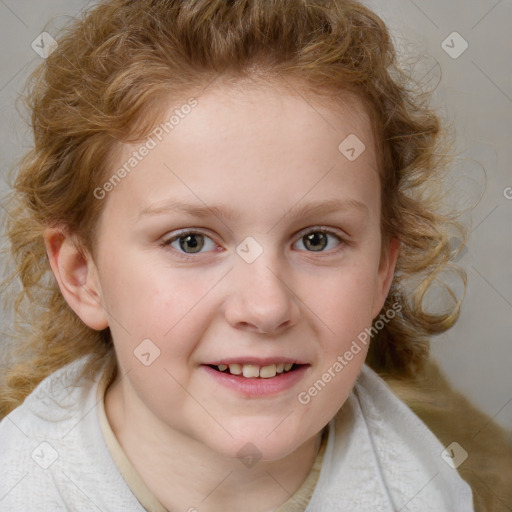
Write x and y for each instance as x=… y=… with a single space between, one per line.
x=189 y=256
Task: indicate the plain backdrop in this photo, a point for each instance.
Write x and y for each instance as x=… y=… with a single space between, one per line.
x=474 y=91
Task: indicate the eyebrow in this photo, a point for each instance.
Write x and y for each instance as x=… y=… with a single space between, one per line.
x=225 y=213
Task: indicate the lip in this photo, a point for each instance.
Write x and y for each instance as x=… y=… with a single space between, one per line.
x=256 y=361
x=255 y=386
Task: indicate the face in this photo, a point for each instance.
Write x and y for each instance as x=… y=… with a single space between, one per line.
x=245 y=241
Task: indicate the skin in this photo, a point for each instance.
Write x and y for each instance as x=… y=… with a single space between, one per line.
x=261 y=152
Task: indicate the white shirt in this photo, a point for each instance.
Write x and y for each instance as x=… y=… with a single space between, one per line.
x=380 y=457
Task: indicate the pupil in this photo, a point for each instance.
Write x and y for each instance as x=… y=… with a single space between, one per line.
x=315 y=238
x=192 y=242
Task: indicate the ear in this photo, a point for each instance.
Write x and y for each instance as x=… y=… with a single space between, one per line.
x=385 y=274
x=77 y=277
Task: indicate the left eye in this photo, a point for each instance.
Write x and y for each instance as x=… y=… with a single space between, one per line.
x=318 y=240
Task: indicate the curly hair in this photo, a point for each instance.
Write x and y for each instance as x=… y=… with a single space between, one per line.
x=103 y=85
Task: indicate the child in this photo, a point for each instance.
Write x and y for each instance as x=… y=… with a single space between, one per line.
x=214 y=231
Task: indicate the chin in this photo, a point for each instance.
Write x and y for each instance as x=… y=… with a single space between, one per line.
x=258 y=445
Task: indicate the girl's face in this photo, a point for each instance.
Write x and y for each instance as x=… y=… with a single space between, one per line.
x=248 y=239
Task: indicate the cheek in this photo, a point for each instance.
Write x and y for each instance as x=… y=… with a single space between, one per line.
x=343 y=300
x=344 y=319
x=149 y=299
x=157 y=317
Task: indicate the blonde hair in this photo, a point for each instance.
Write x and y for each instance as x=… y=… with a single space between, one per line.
x=112 y=70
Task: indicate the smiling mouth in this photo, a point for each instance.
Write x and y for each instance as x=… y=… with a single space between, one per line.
x=256 y=371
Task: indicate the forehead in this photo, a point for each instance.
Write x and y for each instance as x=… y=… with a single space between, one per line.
x=278 y=111
x=257 y=144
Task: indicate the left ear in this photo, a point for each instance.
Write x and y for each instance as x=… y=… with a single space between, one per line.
x=385 y=274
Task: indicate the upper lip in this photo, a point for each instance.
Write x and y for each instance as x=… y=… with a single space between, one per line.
x=257 y=361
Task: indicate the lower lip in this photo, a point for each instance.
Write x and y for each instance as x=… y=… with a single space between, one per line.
x=256 y=386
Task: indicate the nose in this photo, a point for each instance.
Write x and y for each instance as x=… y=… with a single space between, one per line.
x=259 y=299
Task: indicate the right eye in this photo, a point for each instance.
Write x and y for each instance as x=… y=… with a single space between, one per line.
x=189 y=242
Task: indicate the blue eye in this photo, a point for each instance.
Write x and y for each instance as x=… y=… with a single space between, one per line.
x=318 y=240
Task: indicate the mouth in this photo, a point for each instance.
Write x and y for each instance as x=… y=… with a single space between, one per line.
x=252 y=377
x=252 y=371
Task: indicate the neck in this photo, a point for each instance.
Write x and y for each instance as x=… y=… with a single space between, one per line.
x=184 y=474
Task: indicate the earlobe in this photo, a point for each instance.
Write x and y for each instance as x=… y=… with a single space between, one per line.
x=386 y=272
x=77 y=277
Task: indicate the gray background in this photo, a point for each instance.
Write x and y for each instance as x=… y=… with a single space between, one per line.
x=475 y=92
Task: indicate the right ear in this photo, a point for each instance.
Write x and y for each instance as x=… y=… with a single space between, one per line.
x=77 y=277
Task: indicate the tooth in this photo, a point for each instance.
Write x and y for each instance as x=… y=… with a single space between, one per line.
x=266 y=372
x=235 y=369
x=251 y=370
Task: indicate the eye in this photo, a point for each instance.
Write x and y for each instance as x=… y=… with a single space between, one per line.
x=194 y=242
x=190 y=242
x=318 y=239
